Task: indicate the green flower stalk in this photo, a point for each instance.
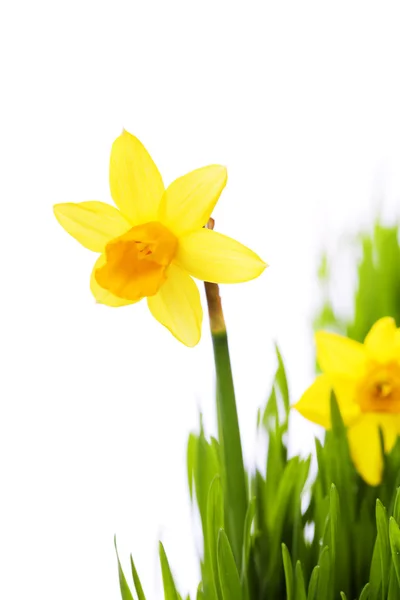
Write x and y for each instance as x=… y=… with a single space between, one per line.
x=233 y=475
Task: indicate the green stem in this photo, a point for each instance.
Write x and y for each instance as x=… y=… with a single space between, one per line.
x=233 y=475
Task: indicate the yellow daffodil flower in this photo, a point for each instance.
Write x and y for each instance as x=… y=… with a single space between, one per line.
x=156 y=242
x=366 y=381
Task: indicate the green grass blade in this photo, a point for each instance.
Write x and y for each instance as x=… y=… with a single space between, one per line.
x=334 y=517
x=251 y=511
x=313 y=585
x=191 y=460
x=394 y=535
x=170 y=592
x=125 y=591
x=282 y=383
x=394 y=588
x=384 y=545
x=325 y=584
x=375 y=576
x=365 y=592
x=396 y=508
x=228 y=573
x=288 y=568
x=136 y=581
x=215 y=522
x=300 y=586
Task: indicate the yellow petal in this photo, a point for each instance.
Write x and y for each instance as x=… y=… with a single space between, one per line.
x=135 y=183
x=177 y=306
x=92 y=223
x=365 y=448
x=314 y=405
x=214 y=257
x=188 y=202
x=101 y=295
x=390 y=426
x=381 y=339
x=340 y=355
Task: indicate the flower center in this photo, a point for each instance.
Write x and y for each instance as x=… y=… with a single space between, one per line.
x=137 y=260
x=380 y=389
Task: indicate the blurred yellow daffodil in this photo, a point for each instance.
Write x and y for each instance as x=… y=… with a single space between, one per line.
x=366 y=381
x=156 y=242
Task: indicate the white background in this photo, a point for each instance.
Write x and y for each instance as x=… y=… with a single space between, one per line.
x=301 y=102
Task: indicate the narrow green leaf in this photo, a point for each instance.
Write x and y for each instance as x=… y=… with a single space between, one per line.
x=394 y=534
x=384 y=546
x=251 y=511
x=228 y=573
x=324 y=581
x=136 y=581
x=234 y=479
x=396 y=508
x=125 y=591
x=281 y=380
x=215 y=522
x=200 y=593
x=313 y=585
x=170 y=592
x=365 y=592
x=288 y=568
x=343 y=596
x=300 y=587
x=375 y=576
x=394 y=588
x=334 y=516
x=191 y=460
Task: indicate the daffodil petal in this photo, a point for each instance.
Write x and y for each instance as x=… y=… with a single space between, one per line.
x=92 y=223
x=315 y=403
x=381 y=339
x=214 y=257
x=188 y=202
x=346 y=394
x=177 y=306
x=390 y=426
x=365 y=448
x=101 y=295
x=340 y=355
x=135 y=182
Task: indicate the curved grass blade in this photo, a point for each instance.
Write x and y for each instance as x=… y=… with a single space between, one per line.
x=125 y=591
x=170 y=592
x=288 y=569
x=228 y=573
x=384 y=546
x=313 y=585
x=394 y=535
x=300 y=586
x=215 y=522
x=136 y=581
